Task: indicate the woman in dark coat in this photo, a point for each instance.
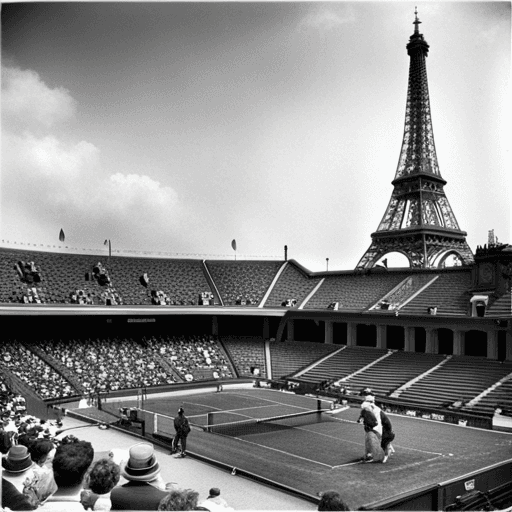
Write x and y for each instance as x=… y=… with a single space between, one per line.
x=387 y=436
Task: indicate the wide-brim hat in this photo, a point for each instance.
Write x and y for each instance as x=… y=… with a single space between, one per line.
x=18 y=459
x=142 y=465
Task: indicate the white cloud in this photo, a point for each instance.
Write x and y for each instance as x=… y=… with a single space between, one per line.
x=49 y=178
x=326 y=18
x=27 y=99
x=46 y=156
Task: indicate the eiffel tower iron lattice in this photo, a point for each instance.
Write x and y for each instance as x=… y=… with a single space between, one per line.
x=419 y=221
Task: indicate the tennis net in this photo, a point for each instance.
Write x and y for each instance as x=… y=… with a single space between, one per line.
x=253 y=426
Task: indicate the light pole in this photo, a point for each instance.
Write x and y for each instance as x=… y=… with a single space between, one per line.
x=109 y=249
x=327 y=263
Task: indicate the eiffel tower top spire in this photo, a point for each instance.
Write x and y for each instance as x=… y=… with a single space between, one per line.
x=418 y=221
x=416 y=21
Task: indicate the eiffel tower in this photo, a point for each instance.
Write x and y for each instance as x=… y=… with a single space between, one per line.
x=418 y=221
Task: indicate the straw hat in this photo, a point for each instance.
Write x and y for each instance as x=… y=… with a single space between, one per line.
x=18 y=459
x=142 y=465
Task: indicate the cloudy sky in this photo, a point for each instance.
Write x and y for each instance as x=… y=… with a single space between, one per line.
x=177 y=127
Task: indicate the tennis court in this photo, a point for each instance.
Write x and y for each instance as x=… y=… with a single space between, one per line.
x=322 y=450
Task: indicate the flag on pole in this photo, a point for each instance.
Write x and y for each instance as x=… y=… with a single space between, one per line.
x=105 y=242
x=61 y=235
x=233 y=244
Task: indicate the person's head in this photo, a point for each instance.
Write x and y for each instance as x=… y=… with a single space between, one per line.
x=39 y=450
x=181 y=411
x=366 y=406
x=332 y=500
x=104 y=476
x=142 y=465
x=214 y=492
x=18 y=460
x=180 y=499
x=71 y=461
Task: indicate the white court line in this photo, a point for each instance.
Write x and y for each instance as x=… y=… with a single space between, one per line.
x=405 y=466
x=280 y=403
x=286 y=453
x=397 y=445
x=347 y=464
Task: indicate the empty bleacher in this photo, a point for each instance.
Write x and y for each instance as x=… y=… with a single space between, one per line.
x=393 y=371
x=242 y=282
x=342 y=364
x=449 y=293
x=500 y=396
x=246 y=352
x=461 y=377
x=354 y=292
x=291 y=356
x=181 y=280
x=293 y=283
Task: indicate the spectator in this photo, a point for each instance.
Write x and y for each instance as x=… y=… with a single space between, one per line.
x=70 y=464
x=18 y=466
x=103 y=477
x=179 y=499
x=140 y=470
x=13 y=499
x=5 y=439
x=214 y=502
x=332 y=500
x=42 y=485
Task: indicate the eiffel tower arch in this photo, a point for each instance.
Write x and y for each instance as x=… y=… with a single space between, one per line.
x=418 y=221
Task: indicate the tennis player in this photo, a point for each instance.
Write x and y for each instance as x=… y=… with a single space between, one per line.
x=373 y=431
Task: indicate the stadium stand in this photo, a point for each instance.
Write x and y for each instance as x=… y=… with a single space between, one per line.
x=181 y=280
x=243 y=282
x=499 y=395
x=389 y=373
x=449 y=293
x=291 y=356
x=246 y=352
x=341 y=364
x=461 y=377
x=108 y=364
x=194 y=357
x=292 y=283
x=352 y=291
x=34 y=371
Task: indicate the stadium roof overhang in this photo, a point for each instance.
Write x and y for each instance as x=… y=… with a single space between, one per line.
x=83 y=310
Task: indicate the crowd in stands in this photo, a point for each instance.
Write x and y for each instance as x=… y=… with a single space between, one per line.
x=108 y=364
x=35 y=372
x=192 y=356
x=44 y=472
x=28 y=272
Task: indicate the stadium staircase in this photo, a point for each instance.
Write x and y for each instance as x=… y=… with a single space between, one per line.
x=391 y=371
x=459 y=378
x=242 y=283
x=246 y=352
x=290 y=357
x=60 y=368
x=291 y=282
x=408 y=384
x=449 y=293
x=341 y=364
x=217 y=298
x=499 y=394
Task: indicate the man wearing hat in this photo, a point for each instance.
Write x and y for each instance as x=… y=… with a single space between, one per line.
x=142 y=471
x=17 y=466
x=182 y=428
